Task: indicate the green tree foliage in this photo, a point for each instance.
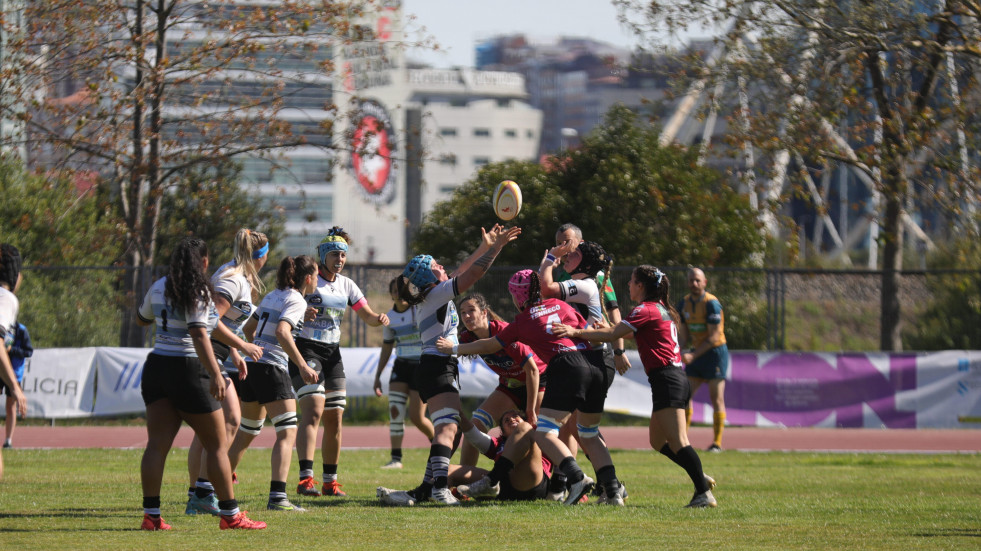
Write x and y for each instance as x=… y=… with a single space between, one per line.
x=952 y=319
x=885 y=88
x=644 y=203
x=213 y=206
x=68 y=239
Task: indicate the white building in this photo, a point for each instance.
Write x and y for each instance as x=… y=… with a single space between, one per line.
x=11 y=132
x=469 y=119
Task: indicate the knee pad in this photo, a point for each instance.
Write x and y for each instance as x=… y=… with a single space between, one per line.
x=484 y=417
x=444 y=416
x=310 y=390
x=548 y=425
x=588 y=431
x=396 y=412
x=250 y=426
x=396 y=403
x=285 y=421
x=335 y=399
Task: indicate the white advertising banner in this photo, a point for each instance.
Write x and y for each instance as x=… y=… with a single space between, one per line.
x=59 y=383
x=120 y=371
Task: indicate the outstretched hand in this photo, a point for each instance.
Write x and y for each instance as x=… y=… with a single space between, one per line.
x=505 y=236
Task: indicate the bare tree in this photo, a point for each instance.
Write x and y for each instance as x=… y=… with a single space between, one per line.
x=887 y=89
x=142 y=91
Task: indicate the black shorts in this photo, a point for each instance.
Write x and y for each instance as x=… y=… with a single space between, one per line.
x=669 y=388
x=222 y=351
x=243 y=388
x=436 y=375
x=269 y=383
x=404 y=371
x=325 y=359
x=4 y=389
x=519 y=394
x=508 y=493
x=180 y=379
x=575 y=384
x=602 y=358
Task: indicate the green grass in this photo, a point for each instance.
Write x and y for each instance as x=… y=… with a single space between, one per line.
x=91 y=499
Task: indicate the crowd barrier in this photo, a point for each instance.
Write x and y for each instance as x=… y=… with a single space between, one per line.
x=870 y=390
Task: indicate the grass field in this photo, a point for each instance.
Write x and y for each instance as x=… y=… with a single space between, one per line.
x=91 y=499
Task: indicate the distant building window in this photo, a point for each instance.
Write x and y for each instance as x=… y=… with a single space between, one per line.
x=447 y=189
x=481 y=132
x=458 y=103
x=447 y=131
x=505 y=102
x=511 y=133
x=481 y=161
x=531 y=134
x=447 y=159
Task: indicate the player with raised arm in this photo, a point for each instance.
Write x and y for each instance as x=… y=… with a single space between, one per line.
x=573 y=383
x=432 y=290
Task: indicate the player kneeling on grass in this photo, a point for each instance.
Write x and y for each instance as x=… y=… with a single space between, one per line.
x=520 y=472
x=653 y=322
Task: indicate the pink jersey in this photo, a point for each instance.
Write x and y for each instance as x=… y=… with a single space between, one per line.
x=497 y=448
x=508 y=361
x=656 y=334
x=534 y=328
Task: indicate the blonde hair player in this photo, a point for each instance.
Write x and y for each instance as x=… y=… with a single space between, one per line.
x=237 y=288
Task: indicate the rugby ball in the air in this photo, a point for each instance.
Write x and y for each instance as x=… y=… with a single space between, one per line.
x=507 y=200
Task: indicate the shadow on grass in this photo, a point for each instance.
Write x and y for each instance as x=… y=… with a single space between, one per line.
x=951 y=532
x=70 y=513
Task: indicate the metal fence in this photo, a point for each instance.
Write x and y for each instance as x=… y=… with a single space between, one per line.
x=765 y=309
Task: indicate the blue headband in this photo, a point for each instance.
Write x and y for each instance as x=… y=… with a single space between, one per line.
x=256 y=255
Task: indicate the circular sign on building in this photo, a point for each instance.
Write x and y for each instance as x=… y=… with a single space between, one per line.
x=372 y=152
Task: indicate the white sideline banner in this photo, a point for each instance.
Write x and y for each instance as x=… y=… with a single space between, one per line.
x=59 y=383
x=119 y=372
x=859 y=390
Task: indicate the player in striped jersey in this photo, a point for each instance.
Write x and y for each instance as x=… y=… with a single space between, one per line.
x=319 y=343
x=182 y=381
x=273 y=327
x=402 y=335
x=432 y=290
x=237 y=286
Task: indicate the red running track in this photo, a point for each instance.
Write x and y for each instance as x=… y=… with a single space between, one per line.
x=735 y=438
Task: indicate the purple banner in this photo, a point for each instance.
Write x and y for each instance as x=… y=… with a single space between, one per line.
x=808 y=389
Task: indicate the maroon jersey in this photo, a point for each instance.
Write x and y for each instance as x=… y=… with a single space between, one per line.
x=497 y=448
x=656 y=334
x=508 y=361
x=534 y=328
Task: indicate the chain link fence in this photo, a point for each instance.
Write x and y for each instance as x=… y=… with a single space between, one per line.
x=765 y=309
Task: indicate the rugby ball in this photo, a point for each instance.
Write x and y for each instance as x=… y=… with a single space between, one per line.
x=507 y=200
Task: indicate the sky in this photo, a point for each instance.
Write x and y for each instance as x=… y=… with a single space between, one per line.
x=458 y=25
